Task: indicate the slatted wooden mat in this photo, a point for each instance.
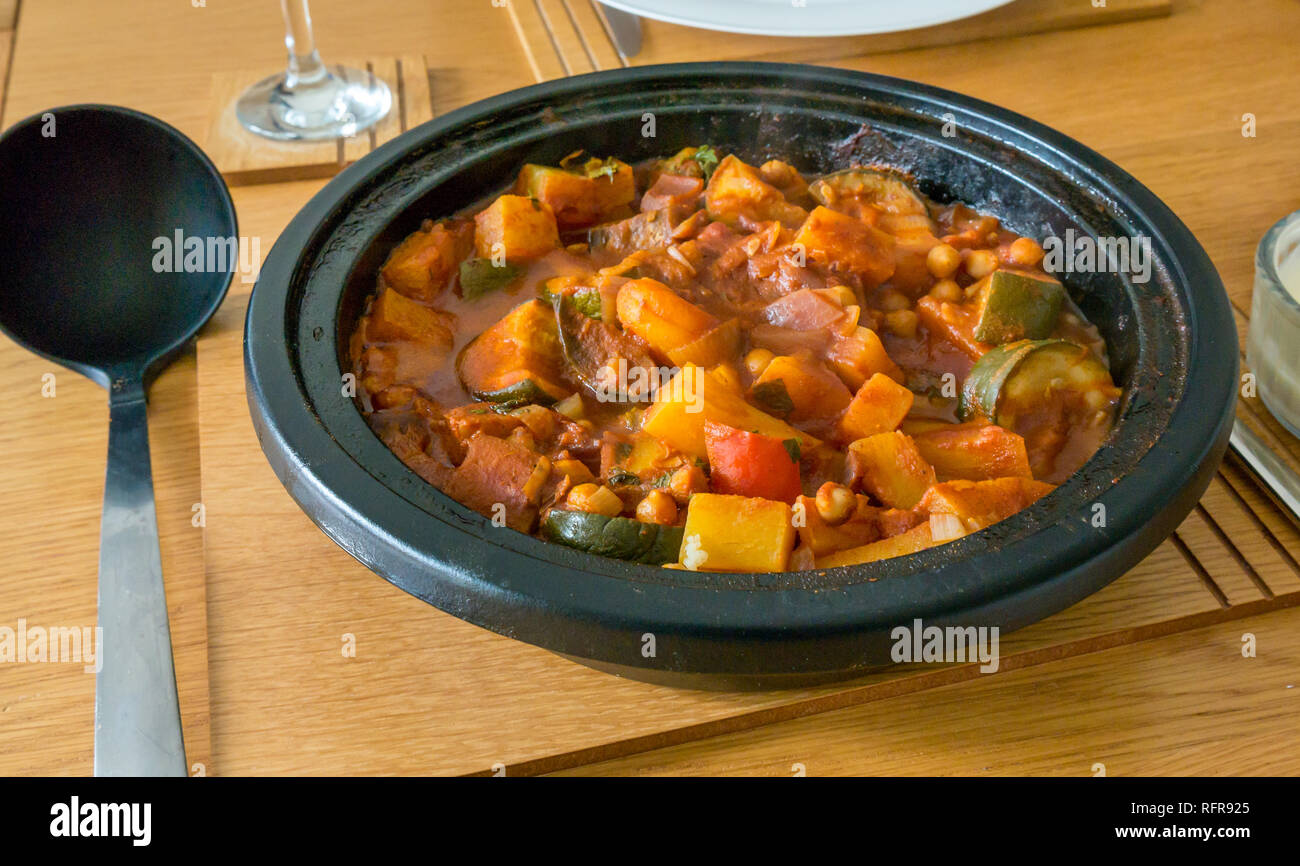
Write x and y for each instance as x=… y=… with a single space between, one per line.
x=569 y=37
x=243 y=157
x=448 y=697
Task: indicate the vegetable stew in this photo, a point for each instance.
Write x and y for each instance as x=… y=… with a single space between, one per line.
x=705 y=364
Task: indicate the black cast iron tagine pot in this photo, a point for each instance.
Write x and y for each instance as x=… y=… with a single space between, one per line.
x=1171 y=341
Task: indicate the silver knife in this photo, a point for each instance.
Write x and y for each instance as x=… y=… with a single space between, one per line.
x=1267 y=466
x=624 y=28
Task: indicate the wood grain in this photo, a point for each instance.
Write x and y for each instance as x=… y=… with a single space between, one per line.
x=243 y=157
x=53 y=478
x=1187 y=704
x=562 y=34
x=427 y=693
x=8 y=14
x=159 y=56
x=521 y=716
x=6 y=46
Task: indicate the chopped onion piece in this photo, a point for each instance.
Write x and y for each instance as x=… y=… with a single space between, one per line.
x=681 y=257
x=946 y=527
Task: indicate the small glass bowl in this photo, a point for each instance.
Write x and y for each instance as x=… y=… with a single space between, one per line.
x=1273 y=344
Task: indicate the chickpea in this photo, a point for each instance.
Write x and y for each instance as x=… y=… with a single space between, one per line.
x=835 y=503
x=981 y=263
x=947 y=290
x=892 y=299
x=842 y=295
x=943 y=261
x=657 y=507
x=901 y=323
x=1024 y=252
x=757 y=360
x=595 y=499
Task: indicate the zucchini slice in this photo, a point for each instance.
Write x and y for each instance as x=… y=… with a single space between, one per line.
x=517 y=360
x=645 y=231
x=619 y=537
x=594 y=350
x=1014 y=305
x=584 y=299
x=883 y=187
x=1014 y=379
x=480 y=276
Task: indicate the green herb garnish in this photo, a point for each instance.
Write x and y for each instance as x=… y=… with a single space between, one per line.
x=663 y=480
x=707 y=159
x=622 y=478
x=478 y=277
x=791 y=448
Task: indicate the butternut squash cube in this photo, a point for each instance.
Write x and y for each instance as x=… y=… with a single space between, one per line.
x=736 y=189
x=737 y=533
x=974 y=452
x=954 y=323
x=890 y=468
x=982 y=503
x=859 y=356
x=880 y=405
x=662 y=318
x=815 y=392
x=524 y=227
x=395 y=317
x=899 y=545
x=847 y=245
x=714 y=347
x=695 y=395
x=422 y=265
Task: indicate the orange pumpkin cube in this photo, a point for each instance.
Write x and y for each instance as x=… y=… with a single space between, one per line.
x=890 y=468
x=981 y=503
x=880 y=405
x=975 y=452
x=847 y=245
x=515 y=227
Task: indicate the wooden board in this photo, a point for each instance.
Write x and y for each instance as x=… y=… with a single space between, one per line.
x=8 y=14
x=569 y=37
x=428 y=693
x=49 y=536
x=1188 y=704
x=278 y=588
x=243 y=157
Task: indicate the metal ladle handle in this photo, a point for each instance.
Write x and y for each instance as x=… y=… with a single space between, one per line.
x=137 y=714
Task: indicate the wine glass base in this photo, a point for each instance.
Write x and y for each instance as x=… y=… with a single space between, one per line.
x=340 y=104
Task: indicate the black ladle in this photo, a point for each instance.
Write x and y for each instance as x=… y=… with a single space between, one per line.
x=91 y=200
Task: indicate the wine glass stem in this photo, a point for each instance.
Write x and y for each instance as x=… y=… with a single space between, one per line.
x=305 y=66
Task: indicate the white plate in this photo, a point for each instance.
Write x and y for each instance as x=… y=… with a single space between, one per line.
x=812 y=18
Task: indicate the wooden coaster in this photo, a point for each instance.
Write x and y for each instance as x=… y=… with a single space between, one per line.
x=245 y=158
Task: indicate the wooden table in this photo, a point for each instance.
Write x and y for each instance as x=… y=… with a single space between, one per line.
x=1146 y=677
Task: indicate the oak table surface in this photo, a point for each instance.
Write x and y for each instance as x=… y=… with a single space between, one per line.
x=1164 y=97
